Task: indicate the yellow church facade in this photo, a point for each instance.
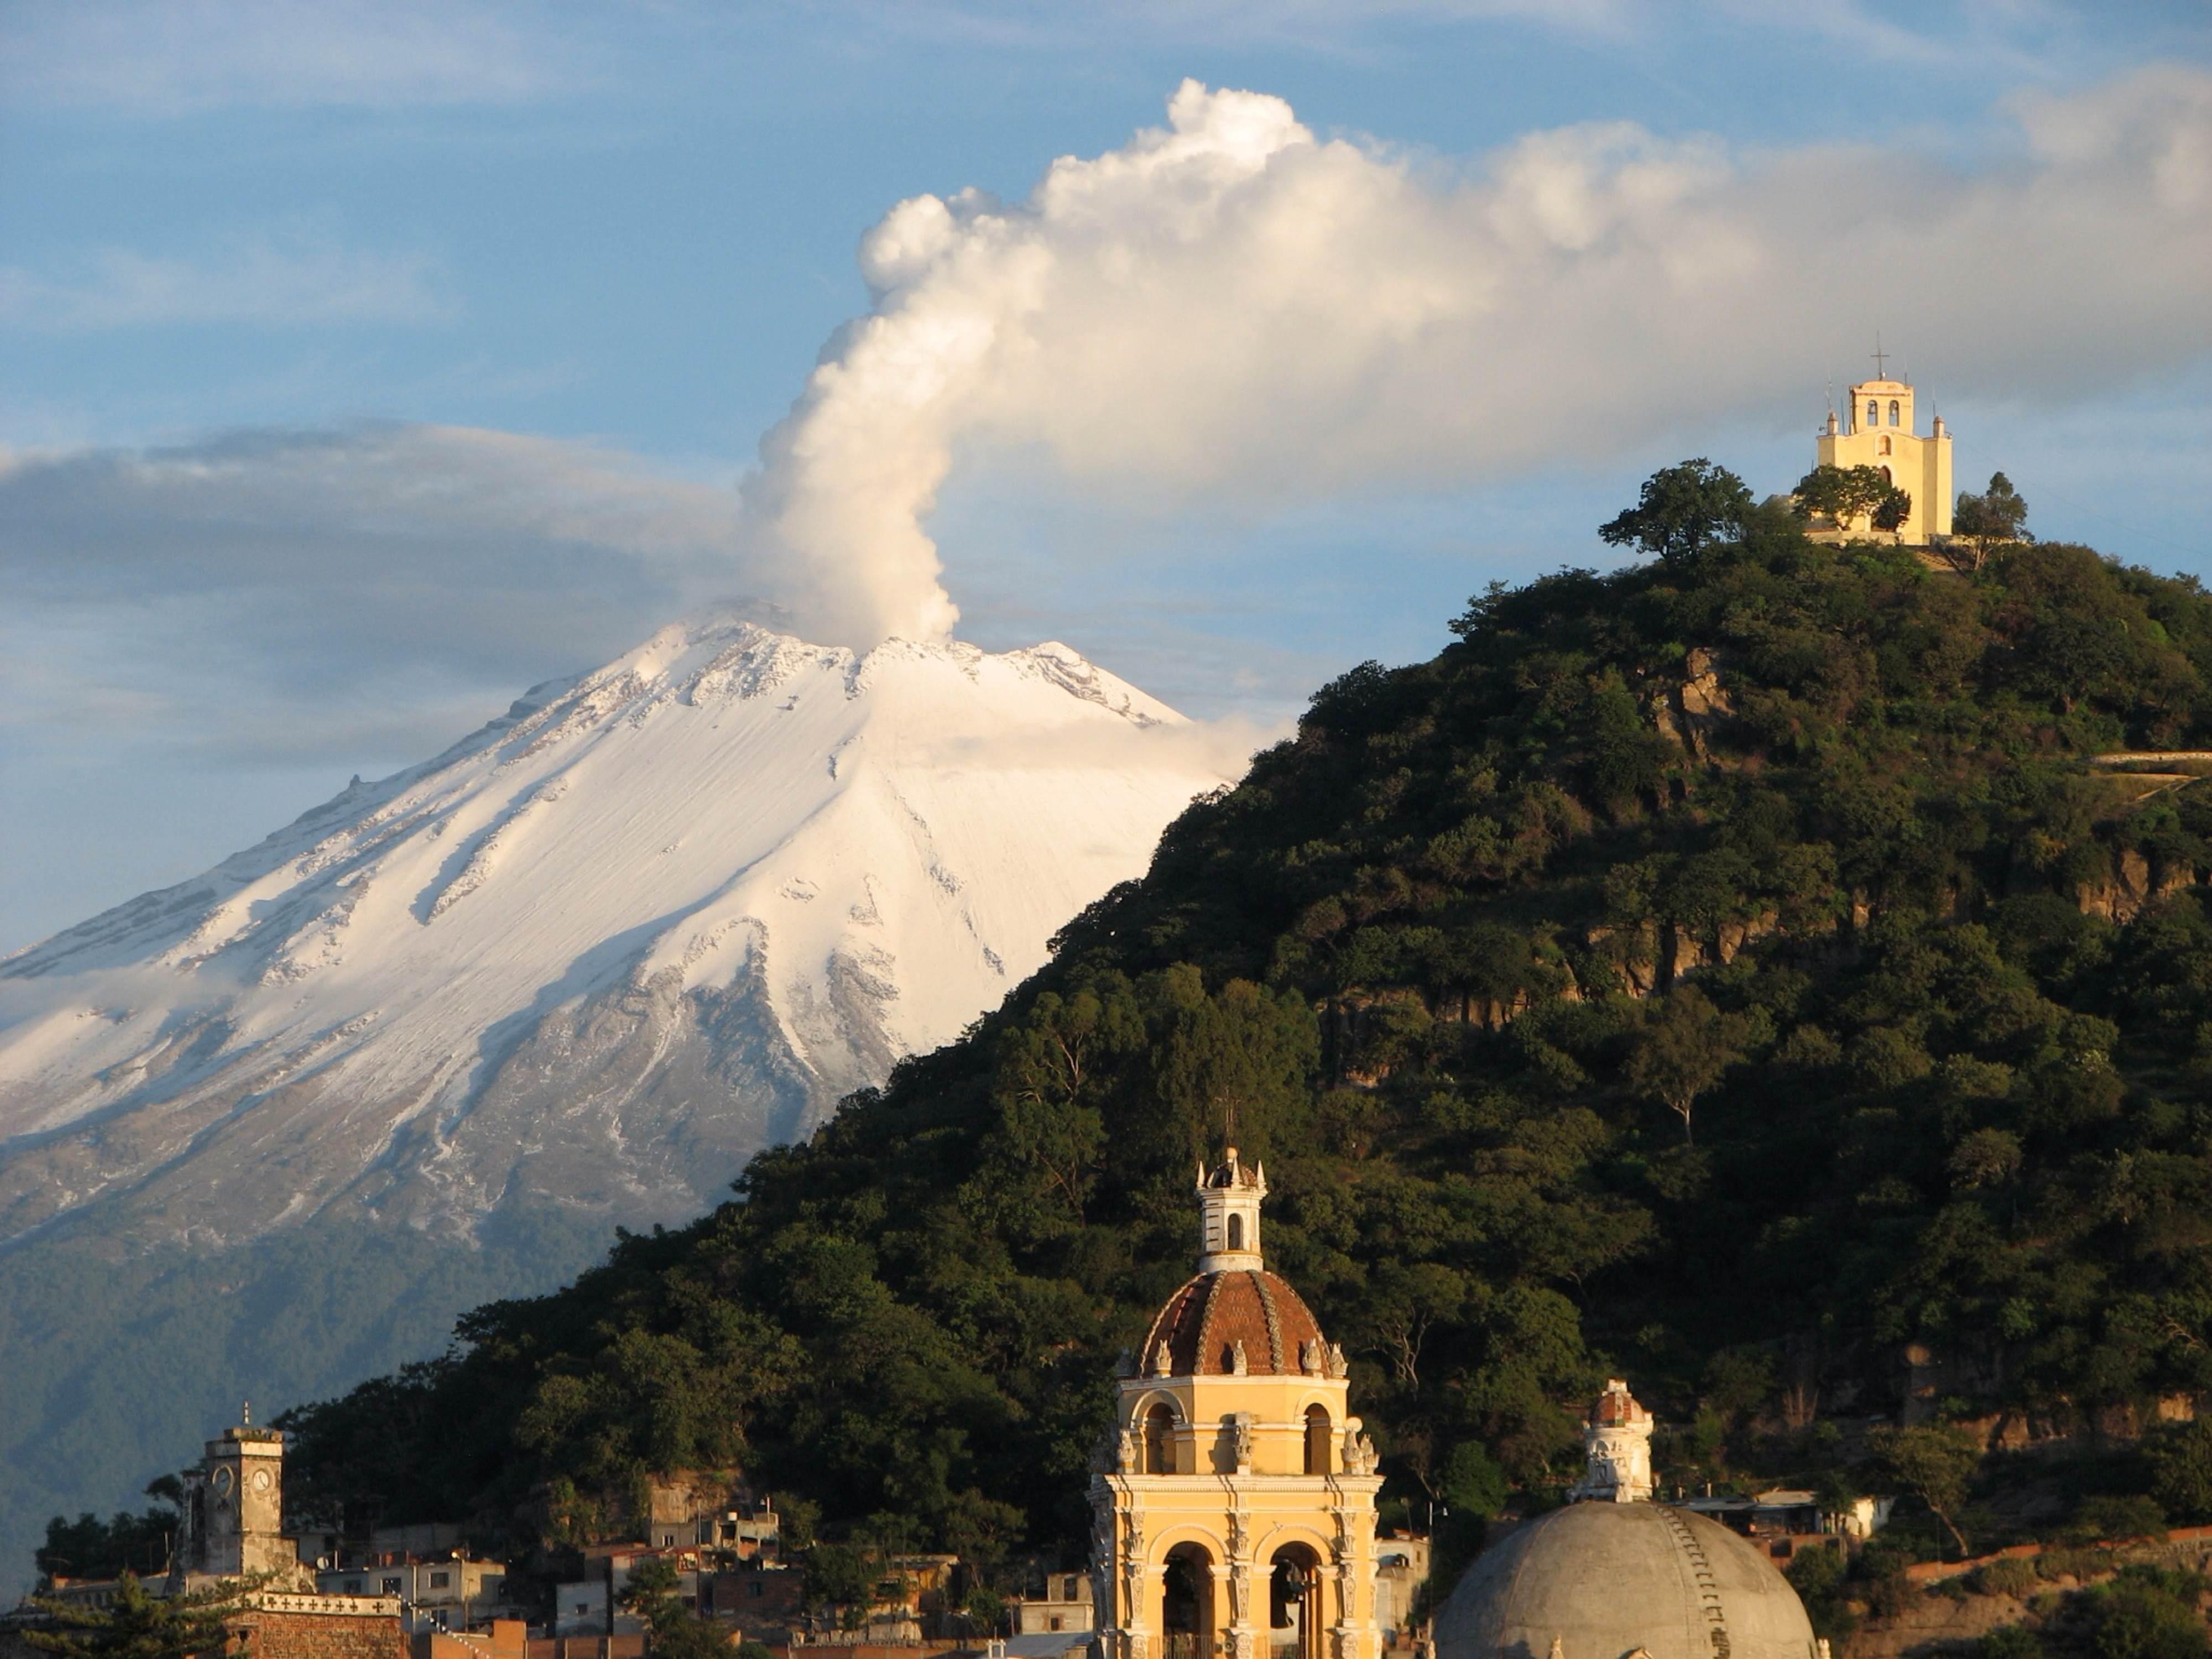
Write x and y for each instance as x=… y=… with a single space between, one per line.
x=1879 y=431
x=1234 y=1513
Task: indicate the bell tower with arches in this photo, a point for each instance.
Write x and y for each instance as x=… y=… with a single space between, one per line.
x=1233 y=1508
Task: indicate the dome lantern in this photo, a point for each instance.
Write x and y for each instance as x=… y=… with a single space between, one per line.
x=1229 y=1200
x=1617 y=1442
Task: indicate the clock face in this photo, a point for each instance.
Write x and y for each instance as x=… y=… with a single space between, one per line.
x=223 y=1479
x=262 y=1480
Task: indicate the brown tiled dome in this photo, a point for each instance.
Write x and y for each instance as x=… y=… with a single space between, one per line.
x=1205 y=1320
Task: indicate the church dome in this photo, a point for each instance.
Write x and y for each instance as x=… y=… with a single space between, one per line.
x=1204 y=1323
x=1604 y=1580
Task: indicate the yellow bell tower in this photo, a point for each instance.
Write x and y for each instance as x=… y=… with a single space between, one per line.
x=1234 y=1517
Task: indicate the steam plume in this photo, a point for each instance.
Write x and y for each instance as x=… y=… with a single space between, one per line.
x=1230 y=306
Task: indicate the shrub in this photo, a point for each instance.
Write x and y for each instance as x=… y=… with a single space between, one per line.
x=2065 y=1563
x=2145 y=1614
x=2181 y=1471
x=1817 y=1576
x=2010 y=1575
x=2112 y=1519
x=2009 y=1642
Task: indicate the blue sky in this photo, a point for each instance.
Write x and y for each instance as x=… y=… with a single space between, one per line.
x=361 y=364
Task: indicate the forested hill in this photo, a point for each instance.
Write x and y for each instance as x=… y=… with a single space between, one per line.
x=1729 y=972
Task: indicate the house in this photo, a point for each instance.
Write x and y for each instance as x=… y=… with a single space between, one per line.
x=448 y=1593
x=1401 y=1567
x=1062 y=1604
x=763 y=1602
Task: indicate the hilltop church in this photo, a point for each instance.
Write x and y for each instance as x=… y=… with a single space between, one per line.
x=1877 y=429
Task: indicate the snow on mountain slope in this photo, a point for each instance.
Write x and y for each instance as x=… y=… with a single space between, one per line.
x=598 y=952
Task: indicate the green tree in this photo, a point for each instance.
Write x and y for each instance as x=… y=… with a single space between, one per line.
x=1686 y=1047
x=841 y=1577
x=1933 y=1463
x=2181 y=1471
x=1847 y=494
x=1681 y=508
x=652 y=1595
x=137 y=1626
x=1989 y=520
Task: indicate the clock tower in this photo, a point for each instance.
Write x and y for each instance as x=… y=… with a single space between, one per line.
x=234 y=1509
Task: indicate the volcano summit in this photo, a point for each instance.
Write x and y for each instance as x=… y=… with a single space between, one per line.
x=585 y=963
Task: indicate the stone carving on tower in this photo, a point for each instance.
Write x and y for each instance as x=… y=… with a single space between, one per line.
x=1617 y=1442
x=1240 y=1517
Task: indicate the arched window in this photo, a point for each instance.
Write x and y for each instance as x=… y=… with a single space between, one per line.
x=1235 y=1232
x=1885 y=444
x=1317 y=1439
x=1892 y=411
x=1886 y=478
x=1873 y=413
x=1159 y=1440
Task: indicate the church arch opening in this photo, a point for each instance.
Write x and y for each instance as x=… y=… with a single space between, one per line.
x=1294 y=1610
x=1187 y=1603
x=1893 y=407
x=1159 y=1439
x=1873 y=413
x=1235 y=1232
x=1317 y=1439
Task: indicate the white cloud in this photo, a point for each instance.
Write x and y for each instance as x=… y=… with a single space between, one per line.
x=166 y=56
x=1229 y=307
x=279 y=282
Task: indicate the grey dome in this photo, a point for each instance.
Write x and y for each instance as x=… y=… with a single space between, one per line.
x=1607 y=1579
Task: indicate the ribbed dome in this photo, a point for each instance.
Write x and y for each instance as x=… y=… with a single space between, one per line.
x=1205 y=1320
x=1606 y=1579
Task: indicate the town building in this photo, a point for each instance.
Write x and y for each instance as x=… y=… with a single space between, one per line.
x=1234 y=1506
x=1878 y=429
x=763 y=1600
x=1061 y=1604
x=447 y=1592
x=1401 y=1568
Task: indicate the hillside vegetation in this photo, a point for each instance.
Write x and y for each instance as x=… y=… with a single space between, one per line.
x=1729 y=972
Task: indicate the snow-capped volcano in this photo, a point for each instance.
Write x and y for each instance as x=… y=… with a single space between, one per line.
x=597 y=953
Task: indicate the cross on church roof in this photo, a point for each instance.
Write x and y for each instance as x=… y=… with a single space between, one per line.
x=1879 y=358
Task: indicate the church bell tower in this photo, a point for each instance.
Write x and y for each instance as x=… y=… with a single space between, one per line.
x=1234 y=1506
